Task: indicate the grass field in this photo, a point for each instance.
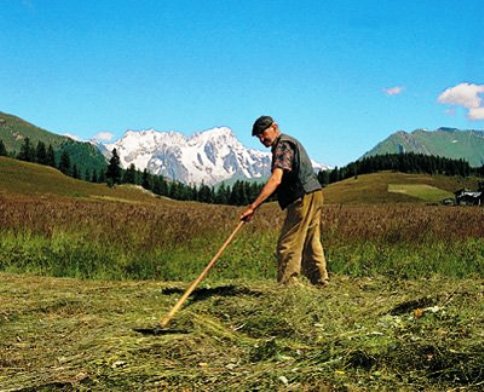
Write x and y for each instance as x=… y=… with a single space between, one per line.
x=404 y=310
x=360 y=334
x=376 y=188
x=424 y=192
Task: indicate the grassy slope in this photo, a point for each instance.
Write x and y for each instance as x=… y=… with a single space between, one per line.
x=374 y=188
x=13 y=130
x=24 y=179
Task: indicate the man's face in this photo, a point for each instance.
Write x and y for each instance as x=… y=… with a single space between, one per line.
x=269 y=135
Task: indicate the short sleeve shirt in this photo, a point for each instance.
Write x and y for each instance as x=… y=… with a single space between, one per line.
x=283 y=156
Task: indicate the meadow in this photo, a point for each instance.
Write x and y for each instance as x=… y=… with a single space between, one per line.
x=79 y=272
x=172 y=241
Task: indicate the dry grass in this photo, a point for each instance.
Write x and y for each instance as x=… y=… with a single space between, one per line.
x=360 y=334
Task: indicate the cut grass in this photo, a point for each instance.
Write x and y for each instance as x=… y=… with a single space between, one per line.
x=359 y=334
x=423 y=192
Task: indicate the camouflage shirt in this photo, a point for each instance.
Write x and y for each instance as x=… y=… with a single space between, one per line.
x=282 y=156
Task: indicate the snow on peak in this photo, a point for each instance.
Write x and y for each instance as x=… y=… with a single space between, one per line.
x=210 y=156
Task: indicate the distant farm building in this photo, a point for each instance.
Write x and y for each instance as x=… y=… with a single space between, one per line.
x=464 y=197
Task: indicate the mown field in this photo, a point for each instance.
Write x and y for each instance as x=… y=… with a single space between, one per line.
x=404 y=310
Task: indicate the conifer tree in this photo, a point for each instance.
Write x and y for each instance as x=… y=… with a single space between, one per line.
x=94 y=176
x=50 y=158
x=130 y=175
x=323 y=177
x=27 y=152
x=205 y=194
x=41 y=153
x=159 y=186
x=113 y=172
x=75 y=171
x=146 y=180
x=65 y=163
x=222 y=194
x=3 y=150
x=102 y=177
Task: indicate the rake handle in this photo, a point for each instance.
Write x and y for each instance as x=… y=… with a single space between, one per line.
x=167 y=318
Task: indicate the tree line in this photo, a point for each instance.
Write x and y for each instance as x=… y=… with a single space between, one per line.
x=240 y=193
x=405 y=163
x=45 y=155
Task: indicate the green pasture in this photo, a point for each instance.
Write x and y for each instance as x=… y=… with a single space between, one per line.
x=423 y=192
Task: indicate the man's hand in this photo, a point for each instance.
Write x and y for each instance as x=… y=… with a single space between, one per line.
x=268 y=189
x=248 y=214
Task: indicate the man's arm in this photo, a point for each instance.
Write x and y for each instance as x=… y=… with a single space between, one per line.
x=271 y=185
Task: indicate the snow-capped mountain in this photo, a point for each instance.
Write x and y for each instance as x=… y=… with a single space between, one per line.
x=210 y=156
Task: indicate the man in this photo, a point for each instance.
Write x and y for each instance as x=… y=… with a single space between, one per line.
x=299 y=248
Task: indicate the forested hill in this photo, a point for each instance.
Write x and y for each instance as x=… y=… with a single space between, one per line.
x=445 y=142
x=17 y=134
x=405 y=163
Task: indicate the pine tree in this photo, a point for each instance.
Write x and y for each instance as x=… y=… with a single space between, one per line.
x=205 y=194
x=3 y=150
x=334 y=175
x=27 y=152
x=146 y=180
x=323 y=177
x=102 y=177
x=130 y=175
x=159 y=186
x=50 y=158
x=94 y=176
x=75 y=172
x=221 y=196
x=113 y=172
x=65 y=163
x=41 y=153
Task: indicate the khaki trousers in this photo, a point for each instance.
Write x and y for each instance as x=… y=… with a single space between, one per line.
x=299 y=246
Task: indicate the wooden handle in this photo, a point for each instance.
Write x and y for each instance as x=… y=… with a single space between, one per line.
x=167 y=318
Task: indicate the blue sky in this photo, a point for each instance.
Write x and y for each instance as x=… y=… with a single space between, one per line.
x=338 y=75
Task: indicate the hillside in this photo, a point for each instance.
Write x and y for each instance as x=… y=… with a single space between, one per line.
x=14 y=130
x=394 y=187
x=445 y=142
x=30 y=179
x=24 y=179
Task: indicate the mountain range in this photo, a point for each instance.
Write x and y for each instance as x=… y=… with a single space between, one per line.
x=445 y=142
x=216 y=155
x=211 y=156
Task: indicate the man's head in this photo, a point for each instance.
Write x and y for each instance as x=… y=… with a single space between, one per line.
x=266 y=129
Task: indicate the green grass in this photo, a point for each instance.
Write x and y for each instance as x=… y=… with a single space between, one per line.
x=378 y=188
x=250 y=256
x=423 y=192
